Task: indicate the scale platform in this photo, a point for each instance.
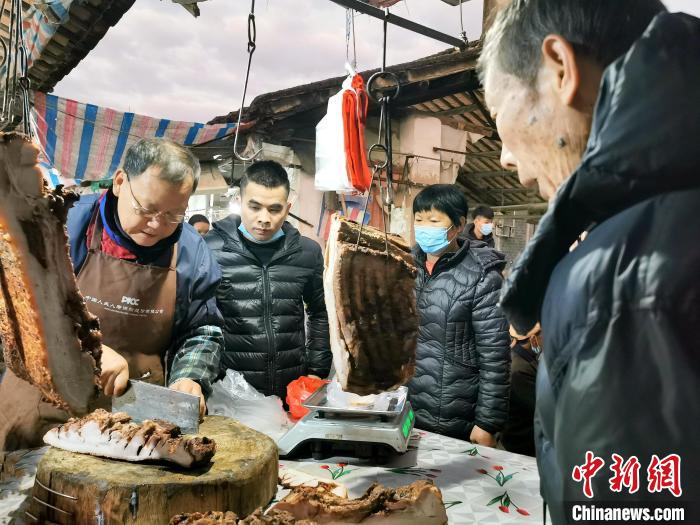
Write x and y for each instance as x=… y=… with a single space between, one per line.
x=359 y=432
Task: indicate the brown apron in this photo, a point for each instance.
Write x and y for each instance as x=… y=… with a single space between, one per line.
x=136 y=308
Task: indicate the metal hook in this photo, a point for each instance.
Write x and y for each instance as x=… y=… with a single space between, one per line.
x=252 y=35
x=376 y=147
x=383 y=74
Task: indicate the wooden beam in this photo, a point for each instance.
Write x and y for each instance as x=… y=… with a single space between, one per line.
x=483 y=197
x=486 y=154
x=487 y=174
x=509 y=190
x=517 y=207
x=467 y=108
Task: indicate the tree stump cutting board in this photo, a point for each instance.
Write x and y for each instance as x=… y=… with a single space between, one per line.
x=241 y=477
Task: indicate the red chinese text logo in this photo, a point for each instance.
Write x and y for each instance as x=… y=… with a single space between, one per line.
x=665 y=474
x=587 y=471
x=662 y=474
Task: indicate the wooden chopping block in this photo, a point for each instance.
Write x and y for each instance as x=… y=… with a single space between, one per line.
x=241 y=477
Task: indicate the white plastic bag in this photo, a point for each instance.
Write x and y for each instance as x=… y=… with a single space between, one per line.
x=338 y=398
x=234 y=397
x=398 y=221
x=331 y=163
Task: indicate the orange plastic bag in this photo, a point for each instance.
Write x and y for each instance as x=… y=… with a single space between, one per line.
x=298 y=391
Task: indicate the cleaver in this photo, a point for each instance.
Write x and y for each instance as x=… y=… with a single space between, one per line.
x=144 y=401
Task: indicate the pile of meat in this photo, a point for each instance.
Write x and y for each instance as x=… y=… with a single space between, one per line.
x=115 y=436
x=49 y=338
x=371 y=305
x=419 y=503
x=229 y=518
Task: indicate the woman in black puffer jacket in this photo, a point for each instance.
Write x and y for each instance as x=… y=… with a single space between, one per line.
x=461 y=384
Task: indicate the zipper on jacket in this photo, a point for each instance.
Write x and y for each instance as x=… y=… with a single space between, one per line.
x=267 y=318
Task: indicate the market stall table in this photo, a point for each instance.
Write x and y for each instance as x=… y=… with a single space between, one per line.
x=479 y=484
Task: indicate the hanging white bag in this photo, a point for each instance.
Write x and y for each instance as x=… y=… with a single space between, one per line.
x=331 y=163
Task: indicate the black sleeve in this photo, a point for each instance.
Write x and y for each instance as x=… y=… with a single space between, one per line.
x=492 y=342
x=319 y=355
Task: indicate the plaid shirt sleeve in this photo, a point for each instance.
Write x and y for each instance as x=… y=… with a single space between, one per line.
x=197 y=357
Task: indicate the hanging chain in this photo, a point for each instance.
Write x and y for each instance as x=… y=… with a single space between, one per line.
x=15 y=61
x=461 y=23
x=252 y=36
x=384 y=137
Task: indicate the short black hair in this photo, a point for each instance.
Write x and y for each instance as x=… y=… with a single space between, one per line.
x=176 y=162
x=197 y=217
x=267 y=173
x=603 y=30
x=445 y=198
x=483 y=211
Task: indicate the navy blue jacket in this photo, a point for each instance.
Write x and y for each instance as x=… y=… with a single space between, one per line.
x=197 y=317
x=621 y=359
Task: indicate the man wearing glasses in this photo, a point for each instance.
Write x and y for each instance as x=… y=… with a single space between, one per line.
x=150 y=280
x=147 y=276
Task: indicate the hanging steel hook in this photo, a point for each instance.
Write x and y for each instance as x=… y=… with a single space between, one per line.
x=252 y=35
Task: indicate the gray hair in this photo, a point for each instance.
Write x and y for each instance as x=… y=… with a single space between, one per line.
x=176 y=162
x=603 y=30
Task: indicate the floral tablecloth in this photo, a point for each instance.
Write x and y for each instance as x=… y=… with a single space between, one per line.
x=479 y=484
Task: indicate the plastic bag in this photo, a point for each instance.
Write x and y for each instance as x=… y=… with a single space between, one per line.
x=331 y=170
x=338 y=398
x=398 y=221
x=299 y=391
x=234 y=397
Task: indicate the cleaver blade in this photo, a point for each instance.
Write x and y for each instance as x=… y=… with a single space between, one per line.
x=144 y=401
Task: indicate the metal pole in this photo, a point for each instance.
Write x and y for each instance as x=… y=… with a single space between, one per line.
x=375 y=12
x=534 y=206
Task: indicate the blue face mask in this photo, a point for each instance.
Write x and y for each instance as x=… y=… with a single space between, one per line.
x=487 y=229
x=275 y=237
x=431 y=239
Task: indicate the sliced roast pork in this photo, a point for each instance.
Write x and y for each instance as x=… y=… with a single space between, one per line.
x=48 y=336
x=115 y=436
x=419 y=503
x=371 y=306
x=229 y=518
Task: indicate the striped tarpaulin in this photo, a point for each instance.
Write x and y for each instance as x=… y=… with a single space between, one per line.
x=86 y=142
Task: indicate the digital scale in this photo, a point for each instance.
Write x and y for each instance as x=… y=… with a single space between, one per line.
x=362 y=431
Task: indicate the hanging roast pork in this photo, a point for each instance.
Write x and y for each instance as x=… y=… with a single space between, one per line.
x=49 y=338
x=371 y=308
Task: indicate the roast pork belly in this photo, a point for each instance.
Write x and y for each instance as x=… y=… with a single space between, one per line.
x=48 y=336
x=115 y=436
x=419 y=503
x=229 y=518
x=371 y=306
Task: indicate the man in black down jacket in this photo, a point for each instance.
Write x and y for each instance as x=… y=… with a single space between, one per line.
x=460 y=388
x=270 y=273
x=621 y=364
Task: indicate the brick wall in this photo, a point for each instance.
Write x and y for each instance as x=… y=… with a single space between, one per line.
x=512 y=234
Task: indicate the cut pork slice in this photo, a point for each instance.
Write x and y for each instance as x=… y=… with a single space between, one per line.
x=419 y=503
x=229 y=518
x=115 y=436
x=371 y=306
x=48 y=336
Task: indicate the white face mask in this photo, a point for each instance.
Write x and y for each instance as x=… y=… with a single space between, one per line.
x=487 y=229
